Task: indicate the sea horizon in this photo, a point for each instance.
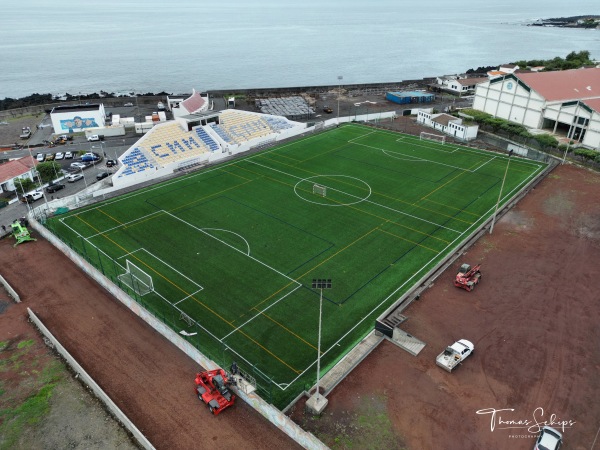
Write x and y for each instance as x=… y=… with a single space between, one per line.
x=151 y=46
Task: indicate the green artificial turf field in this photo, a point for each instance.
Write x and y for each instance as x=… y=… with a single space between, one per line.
x=229 y=253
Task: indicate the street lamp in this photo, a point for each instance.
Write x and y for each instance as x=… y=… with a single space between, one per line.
x=340 y=78
x=320 y=284
x=84 y=180
x=500 y=194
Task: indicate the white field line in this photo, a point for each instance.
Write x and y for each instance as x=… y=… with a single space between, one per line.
x=187 y=296
x=200 y=288
x=480 y=166
x=123 y=224
x=129 y=253
x=93 y=245
x=261 y=312
x=367 y=200
x=232 y=247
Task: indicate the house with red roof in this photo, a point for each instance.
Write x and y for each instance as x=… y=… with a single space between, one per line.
x=194 y=104
x=18 y=168
x=563 y=103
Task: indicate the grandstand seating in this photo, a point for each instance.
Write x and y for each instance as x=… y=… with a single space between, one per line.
x=237 y=127
x=278 y=123
x=136 y=161
x=169 y=143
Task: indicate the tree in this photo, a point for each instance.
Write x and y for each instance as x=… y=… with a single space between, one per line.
x=49 y=170
x=24 y=185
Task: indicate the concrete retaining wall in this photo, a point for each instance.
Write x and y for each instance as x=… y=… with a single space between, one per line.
x=10 y=290
x=89 y=381
x=272 y=414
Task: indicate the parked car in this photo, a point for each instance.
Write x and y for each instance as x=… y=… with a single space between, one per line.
x=102 y=175
x=68 y=155
x=549 y=439
x=90 y=157
x=78 y=166
x=128 y=104
x=49 y=156
x=93 y=137
x=25 y=133
x=59 y=156
x=54 y=187
x=327 y=109
x=40 y=157
x=111 y=162
x=74 y=177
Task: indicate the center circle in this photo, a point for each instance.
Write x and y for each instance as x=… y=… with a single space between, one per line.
x=319 y=200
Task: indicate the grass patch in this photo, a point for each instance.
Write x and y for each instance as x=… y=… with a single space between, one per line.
x=15 y=420
x=28 y=413
x=3 y=345
x=25 y=344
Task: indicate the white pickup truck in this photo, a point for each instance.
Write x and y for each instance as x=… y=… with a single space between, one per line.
x=32 y=197
x=454 y=355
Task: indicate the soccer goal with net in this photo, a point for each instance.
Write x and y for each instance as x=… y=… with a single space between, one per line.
x=432 y=137
x=136 y=279
x=319 y=189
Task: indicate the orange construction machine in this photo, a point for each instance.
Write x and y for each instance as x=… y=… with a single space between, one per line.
x=212 y=389
x=468 y=277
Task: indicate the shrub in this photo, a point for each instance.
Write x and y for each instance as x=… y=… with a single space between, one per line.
x=545 y=140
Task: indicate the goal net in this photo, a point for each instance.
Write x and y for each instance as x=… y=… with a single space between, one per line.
x=136 y=279
x=319 y=189
x=432 y=137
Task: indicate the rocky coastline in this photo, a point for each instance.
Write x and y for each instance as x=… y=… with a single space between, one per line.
x=586 y=22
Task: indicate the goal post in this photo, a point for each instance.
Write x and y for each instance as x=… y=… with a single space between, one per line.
x=319 y=189
x=136 y=279
x=424 y=136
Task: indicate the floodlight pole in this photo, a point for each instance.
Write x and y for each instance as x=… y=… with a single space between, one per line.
x=340 y=78
x=320 y=284
x=319 y=343
x=500 y=194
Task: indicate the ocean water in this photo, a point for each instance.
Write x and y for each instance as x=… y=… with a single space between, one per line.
x=155 y=45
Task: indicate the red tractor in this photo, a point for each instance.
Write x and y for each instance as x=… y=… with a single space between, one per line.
x=468 y=277
x=211 y=388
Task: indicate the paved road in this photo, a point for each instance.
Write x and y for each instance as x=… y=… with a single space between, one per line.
x=113 y=148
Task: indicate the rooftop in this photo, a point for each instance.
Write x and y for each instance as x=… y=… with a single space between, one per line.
x=75 y=108
x=560 y=85
x=16 y=168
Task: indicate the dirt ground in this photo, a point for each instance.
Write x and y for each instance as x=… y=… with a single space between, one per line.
x=66 y=414
x=147 y=377
x=534 y=322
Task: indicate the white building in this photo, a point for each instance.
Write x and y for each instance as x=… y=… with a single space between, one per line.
x=565 y=103
x=448 y=124
x=74 y=118
x=460 y=85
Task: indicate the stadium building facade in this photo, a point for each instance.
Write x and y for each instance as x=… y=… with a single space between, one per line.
x=564 y=103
